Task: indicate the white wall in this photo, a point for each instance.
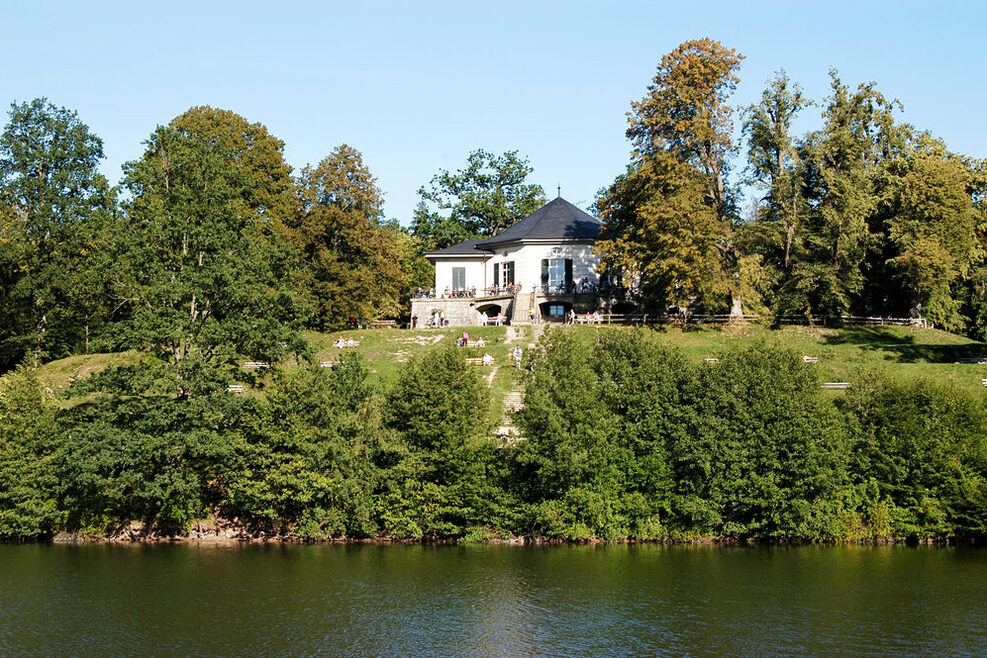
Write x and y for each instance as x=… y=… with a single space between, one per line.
x=527 y=262
x=443 y=274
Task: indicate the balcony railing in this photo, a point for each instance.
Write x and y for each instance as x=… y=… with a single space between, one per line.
x=577 y=288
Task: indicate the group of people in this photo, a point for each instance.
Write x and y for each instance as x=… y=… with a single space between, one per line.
x=459 y=293
x=496 y=320
x=589 y=318
x=434 y=321
x=464 y=341
x=345 y=342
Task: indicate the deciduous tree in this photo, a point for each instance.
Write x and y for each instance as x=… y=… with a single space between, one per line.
x=53 y=206
x=772 y=160
x=206 y=262
x=684 y=118
x=483 y=198
x=352 y=260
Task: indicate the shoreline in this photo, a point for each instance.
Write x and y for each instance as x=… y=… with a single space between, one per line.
x=231 y=539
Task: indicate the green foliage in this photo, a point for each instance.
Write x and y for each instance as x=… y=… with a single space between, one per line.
x=351 y=261
x=931 y=228
x=205 y=267
x=480 y=200
x=436 y=485
x=594 y=461
x=160 y=460
x=54 y=211
x=774 y=166
x=28 y=443
x=307 y=465
x=760 y=455
x=919 y=452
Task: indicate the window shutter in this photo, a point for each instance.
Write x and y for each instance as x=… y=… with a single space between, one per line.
x=544 y=272
x=568 y=274
x=496 y=280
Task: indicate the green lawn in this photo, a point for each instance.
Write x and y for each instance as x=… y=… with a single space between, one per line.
x=851 y=353
x=844 y=354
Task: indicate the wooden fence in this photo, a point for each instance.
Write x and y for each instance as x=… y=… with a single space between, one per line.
x=698 y=319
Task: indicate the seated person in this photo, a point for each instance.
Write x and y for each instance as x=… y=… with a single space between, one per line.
x=480 y=342
x=340 y=343
x=488 y=360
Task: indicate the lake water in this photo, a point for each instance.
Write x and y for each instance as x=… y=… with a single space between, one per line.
x=490 y=600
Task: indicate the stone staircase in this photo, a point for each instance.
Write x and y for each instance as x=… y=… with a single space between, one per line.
x=524 y=303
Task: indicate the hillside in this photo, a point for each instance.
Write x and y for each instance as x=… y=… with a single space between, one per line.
x=844 y=354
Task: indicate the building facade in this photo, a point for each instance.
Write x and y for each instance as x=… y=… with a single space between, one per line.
x=539 y=269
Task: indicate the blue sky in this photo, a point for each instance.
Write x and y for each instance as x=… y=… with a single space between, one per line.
x=417 y=86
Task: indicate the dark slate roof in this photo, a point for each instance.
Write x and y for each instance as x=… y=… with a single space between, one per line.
x=467 y=248
x=556 y=220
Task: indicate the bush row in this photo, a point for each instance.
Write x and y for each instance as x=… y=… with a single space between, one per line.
x=624 y=438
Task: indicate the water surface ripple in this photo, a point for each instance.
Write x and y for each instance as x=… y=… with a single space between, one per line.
x=490 y=600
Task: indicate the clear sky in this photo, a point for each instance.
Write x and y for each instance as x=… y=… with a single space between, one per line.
x=415 y=86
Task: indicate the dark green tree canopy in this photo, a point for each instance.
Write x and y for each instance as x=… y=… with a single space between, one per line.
x=52 y=201
x=205 y=265
x=483 y=198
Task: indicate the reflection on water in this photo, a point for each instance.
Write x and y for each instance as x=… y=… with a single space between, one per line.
x=490 y=600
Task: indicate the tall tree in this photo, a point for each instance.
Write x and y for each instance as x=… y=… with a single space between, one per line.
x=685 y=117
x=207 y=268
x=930 y=229
x=976 y=284
x=53 y=202
x=352 y=260
x=772 y=159
x=841 y=163
x=483 y=198
x=659 y=231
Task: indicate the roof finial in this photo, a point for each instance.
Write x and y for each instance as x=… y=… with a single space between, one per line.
x=559 y=190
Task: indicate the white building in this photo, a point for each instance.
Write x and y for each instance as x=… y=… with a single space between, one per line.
x=538 y=269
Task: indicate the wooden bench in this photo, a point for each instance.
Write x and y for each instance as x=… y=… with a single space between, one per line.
x=477 y=361
x=475 y=343
x=836 y=386
x=381 y=324
x=712 y=359
x=984 y=382
x=234 y=388
x=810 y=359
x=327 y=364
x=255 y=365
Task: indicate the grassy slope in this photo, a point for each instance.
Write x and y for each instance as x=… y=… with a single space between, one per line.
x=844 y=355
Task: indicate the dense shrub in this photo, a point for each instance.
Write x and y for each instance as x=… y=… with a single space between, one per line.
x=919 y=456
x=306 y=466
x=28 y=444
x=436 y=483
x=624 y=438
